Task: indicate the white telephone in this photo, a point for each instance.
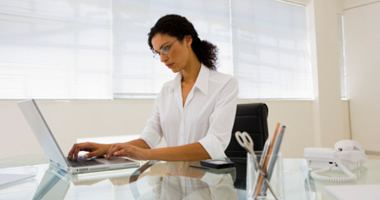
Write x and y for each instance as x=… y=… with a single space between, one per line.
x=347 y=155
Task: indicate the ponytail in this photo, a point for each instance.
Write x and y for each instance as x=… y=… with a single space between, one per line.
x=206 y=52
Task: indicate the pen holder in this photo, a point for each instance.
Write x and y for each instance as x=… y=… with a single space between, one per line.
x=256 y=185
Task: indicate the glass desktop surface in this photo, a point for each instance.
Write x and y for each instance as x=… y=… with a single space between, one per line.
x=167 y=180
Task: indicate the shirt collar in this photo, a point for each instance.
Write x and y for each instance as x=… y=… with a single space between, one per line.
x=202 y=80
x=201 y=83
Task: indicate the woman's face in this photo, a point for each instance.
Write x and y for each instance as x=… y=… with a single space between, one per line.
x=173 y=53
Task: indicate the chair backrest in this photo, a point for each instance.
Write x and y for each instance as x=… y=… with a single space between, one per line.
x=251 y=118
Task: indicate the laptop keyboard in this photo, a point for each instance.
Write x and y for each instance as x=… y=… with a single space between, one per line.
x=84 y=162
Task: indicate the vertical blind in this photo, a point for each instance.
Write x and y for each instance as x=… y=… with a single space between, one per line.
x=97 y=49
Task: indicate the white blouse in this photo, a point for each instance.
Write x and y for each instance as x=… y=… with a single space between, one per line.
x=207 y=116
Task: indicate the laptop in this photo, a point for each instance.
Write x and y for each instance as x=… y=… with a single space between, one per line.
x=49 y=145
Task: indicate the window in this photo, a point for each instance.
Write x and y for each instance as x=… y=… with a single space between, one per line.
x=270 y=50
x=343 y=90
x=263 y=43
x=55 y=49
x=97 y=49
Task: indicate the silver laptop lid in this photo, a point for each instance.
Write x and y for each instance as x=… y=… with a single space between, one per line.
x=42 y=132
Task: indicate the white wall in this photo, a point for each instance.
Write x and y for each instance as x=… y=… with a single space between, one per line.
x=324 y=48
x=70 y=120
x=362 y=41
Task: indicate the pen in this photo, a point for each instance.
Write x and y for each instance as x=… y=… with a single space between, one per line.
x=264 y=162
x=273 y=159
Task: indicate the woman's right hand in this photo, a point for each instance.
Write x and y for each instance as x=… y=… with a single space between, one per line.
x=94 y=149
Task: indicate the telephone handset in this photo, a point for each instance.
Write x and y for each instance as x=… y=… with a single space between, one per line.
x=347 y=155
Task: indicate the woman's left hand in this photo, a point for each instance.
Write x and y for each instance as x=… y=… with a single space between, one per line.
x=127 y=150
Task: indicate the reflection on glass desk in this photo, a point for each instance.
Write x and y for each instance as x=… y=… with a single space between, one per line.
x=167 y=180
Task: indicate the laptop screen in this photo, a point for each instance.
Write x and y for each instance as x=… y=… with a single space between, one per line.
x=42 y=131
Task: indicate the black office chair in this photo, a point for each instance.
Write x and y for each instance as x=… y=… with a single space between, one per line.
x=251 y=118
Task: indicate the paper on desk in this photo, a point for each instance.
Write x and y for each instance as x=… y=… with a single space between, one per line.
x=10 y=178
x=354 y=192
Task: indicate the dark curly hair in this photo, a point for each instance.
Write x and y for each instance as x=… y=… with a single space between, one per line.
x=178 y=26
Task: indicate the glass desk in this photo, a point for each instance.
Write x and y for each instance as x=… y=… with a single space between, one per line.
x=166 y=180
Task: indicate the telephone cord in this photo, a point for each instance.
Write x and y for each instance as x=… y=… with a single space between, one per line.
x=350 y=176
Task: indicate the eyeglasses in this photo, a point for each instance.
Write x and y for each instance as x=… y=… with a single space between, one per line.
x=163 y=51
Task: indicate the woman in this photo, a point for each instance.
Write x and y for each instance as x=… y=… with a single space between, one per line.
x=194 y=112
